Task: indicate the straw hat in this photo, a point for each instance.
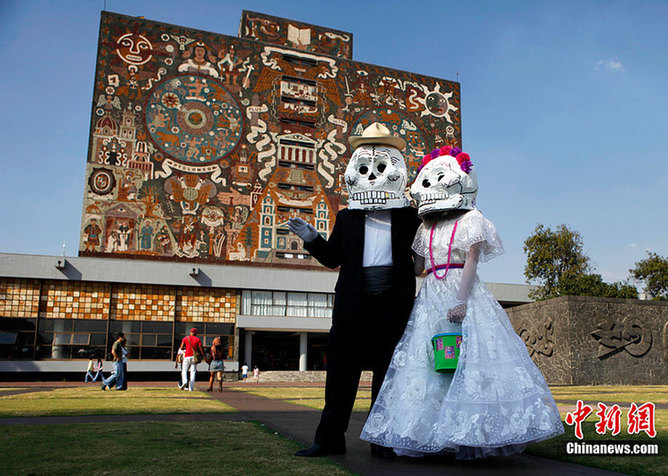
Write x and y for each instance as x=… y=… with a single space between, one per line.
x=377 y=134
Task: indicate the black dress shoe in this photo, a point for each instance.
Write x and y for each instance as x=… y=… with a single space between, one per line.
x=378 y=451
x=317 y=450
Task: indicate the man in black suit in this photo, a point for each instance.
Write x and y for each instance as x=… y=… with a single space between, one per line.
x=371 y=243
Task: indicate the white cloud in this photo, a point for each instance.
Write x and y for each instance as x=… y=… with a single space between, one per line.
x=612 y=64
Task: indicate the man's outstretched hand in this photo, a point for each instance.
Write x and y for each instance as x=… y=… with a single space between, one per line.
x=303 y=230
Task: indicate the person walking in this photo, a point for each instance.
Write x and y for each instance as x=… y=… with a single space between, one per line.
x=244 y=372
x=194 y=353
x=89 y=371
x=177 y=362
x=117 y=378
x=217 y=365
x=256 y=374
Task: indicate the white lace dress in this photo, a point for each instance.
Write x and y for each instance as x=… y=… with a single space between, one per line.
x=496 y=401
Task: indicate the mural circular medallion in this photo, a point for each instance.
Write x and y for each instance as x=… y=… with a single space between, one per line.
x=193 y=119
x=102 y=181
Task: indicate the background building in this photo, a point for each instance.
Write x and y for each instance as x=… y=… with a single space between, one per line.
x=201 y=147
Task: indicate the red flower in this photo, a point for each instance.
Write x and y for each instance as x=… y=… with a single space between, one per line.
x=445 y=150
x=426 y=159
x=462 y=157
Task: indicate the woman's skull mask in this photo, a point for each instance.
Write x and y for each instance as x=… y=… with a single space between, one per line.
x=376 y=178
x=443 y=186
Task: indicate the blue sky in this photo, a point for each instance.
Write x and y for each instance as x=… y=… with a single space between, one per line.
x=564 y=109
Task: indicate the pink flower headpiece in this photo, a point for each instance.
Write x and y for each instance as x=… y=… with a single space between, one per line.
x=463 y=158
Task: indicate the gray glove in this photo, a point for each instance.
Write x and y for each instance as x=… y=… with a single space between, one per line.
x=457 y=313
x=303 y=230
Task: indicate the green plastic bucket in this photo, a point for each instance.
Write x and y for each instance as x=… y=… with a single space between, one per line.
x=446 y=351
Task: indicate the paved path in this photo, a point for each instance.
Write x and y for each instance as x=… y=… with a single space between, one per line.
x=298 y=423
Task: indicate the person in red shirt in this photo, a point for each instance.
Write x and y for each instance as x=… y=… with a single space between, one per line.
x=190 y=344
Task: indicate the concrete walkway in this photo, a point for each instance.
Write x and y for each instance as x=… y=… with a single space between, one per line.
x=298 y=423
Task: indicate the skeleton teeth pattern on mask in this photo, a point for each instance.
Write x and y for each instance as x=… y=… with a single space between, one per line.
x=429 y=198
x=373 y=197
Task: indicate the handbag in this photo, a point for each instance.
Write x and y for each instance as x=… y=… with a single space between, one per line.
x=197 y=355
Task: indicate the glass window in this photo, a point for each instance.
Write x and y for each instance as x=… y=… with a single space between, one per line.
x=61 y=338
x=87 y=325
x=297 y=305
x=8 y=338
x=157 y=327
x=246 y=302
x=80 y=339
x=149 y=340
x=164 y=340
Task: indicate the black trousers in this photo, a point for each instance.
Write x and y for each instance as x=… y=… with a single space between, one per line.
x=367 y=343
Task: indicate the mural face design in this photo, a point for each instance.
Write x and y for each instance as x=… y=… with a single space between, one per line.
x=204 y=145
x=134 y=49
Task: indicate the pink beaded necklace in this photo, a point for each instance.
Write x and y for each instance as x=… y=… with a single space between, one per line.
x=431 y=251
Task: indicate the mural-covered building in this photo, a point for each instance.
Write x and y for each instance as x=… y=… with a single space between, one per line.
x=201 y=147
x=204 y=145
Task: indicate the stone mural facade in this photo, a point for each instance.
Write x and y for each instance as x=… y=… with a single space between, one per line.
x=578 y=340
x=202 y=145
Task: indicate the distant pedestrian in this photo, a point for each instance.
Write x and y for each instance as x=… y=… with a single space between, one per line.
x=93 y=366
x=123 y=383
x=117 y=378
x=217 y=365
x=256 y=374
x=194 y=353
x=179 y=362
x=244 y=372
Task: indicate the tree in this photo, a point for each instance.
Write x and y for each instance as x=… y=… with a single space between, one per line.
x=653 y=272
x=593 y=285
x=553 y=256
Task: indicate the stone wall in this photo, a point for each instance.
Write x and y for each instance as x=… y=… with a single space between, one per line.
x=577 y=340
x=307 y=376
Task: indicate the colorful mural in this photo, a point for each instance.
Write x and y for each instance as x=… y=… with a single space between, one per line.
x=202 y=146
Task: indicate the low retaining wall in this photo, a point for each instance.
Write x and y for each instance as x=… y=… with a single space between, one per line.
x=577 y=340
x=296 y=376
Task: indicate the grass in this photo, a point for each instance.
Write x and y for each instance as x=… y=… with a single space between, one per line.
x=244 y=448
x=312 y=397
x=93 y=401
x=231 y=448
x=590 y=394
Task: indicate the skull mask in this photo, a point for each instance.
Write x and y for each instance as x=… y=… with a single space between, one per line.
x=443 y=186
x=376 y=178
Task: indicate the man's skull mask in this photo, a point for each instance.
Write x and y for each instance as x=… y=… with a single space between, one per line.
x=443 y=186
x=376 y=178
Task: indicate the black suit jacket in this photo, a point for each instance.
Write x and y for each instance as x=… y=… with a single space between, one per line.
x=345 y=249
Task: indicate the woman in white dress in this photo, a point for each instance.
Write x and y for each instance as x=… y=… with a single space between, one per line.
x=496 y=401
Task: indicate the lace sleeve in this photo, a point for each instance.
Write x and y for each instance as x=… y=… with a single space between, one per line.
x=475 y=228
x=472 y=228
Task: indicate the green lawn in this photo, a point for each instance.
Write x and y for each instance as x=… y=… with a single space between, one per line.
x=242 y=448
x=93 y=401
x=228 y=448
x=609 y=393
